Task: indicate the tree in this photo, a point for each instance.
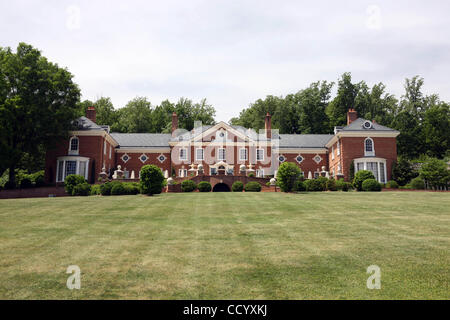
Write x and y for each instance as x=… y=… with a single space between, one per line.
x=435 y=173
x=152 y=179
x=38 y=103
x=106 y=114
x=287 y=176
x=403 y=171
x=344 y=100
x=135 y=117
x=436 y=130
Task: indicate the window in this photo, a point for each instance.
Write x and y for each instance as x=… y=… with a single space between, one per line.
x=74 y=146
x=367 y=124
x=199 y=154
x=110 y=151
x=317 y=159
x=82 y=168
x=230 y=171
x=125 y=158
x=259 y=154
x=221 y=154
x=104 y=147
x=382 y=173
x=332 y=153
x=59 y=170
x=71 y=165
x=182 y=172
x=143 y=158
x=161 y=158
x=368 y=147
x=183 y=154
x=299 y=159
x=71 y=168
x=281 y=158
x=338 y=148
x=212 y=171
x=375 y=165
x=260 y=173
x=243 y=154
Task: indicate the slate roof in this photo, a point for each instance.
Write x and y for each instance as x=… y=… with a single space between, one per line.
x=357 y=125
x=142 y=140
x=83 y=123
x=304 y=140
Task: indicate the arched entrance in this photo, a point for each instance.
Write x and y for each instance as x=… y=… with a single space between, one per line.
x=221 y=187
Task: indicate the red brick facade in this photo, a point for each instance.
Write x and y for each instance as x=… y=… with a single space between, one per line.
x=99 y=149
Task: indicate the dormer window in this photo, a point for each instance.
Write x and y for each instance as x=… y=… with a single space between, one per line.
x=369 y=150
x=74 y=146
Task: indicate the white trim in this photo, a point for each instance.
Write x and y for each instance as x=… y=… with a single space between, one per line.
x=77 y=161
x=104 y=147
x=110 y=151
x=369 y=153
x=338 y=145
x=196 y=154
x=301 y=150
x=101 y=133
x=122 y=158
x=143 y=150
x=332 y=152
x=299 y=155
x=224 y=153
x=314 y=159
x=246 y=154
x=364 y=161
x=74 y=152
x=259 y=149
x=216 y=127
x=362 y=134
x=281 y=155
x=159 y=156
x=186 y=154
x=146 y=158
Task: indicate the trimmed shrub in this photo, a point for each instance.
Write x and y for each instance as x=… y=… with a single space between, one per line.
x=117 y=189
x=237 y=186
x=341 y=184
x=188 y=186
x=152 y=179
x=95 y=189
x=251 y=174
x=300 y=186
x=360 y=177
x=392 y=184
x=323 y=182
x=73 y=180
x=287 y=176
x=417 y=183
x=371 y=185
x=38 y=178
x=105 y=189
x=25 y=183
x=82 y=189
x=204 y=186
x=252 y=186
x=131 y=188
x=331 y=185
x=314 y=185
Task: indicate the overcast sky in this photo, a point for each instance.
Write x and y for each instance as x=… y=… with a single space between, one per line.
x=233 y=52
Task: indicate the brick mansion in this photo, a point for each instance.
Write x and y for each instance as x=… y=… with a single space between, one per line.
x=223 y=150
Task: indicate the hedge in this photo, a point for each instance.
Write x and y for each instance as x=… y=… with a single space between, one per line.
x=360 y=177
x=188 y=186
x=82 y=189
x=237 y=186
x=204 y=186
x=331 y=185
x=392 y=184
x=73 y=180
x=417 y=183
x=371 y=185
x=252 y=186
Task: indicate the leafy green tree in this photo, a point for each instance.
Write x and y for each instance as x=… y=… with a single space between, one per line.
x=106 y=114
x=403 y=171
x=435 y=173
x=38 y=103
x=287 y=176
x=135 y=117
x=436 y=130
x=344 y=100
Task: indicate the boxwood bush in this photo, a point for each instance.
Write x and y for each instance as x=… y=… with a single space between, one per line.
x=95 y=189
x=371 y=185
x=117 y=189
x=300 y=186
x=237 y=186
x=188 y=186
x=105 y=189
x=360 y=177
x=417 y=183
x=73 y=180
x=252 y=186
x=314 y=185
x=152 y=179
x=131 y=188
x=287 y=176
x=392 y=184
x=331 y=185
x=82 y=189
x=204 y=186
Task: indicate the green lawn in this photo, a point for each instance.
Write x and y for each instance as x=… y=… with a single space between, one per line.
x=227 y=246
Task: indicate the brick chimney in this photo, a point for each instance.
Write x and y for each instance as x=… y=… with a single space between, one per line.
x=174 y=123
x=91 y=114
x=268 y=126
x=352 y=115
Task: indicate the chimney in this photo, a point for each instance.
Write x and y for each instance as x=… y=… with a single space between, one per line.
x=174 y=123
x=268 y=126
x=352 y=115
x=91 y=114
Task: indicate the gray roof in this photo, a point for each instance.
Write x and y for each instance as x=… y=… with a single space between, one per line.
x=357 y=125
x=304 y=140
x=83 y=123
x=141 y=140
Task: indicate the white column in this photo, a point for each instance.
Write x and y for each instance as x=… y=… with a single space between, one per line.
x=379 y=176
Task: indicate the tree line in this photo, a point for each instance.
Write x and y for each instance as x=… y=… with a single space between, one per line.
x=423 y=120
